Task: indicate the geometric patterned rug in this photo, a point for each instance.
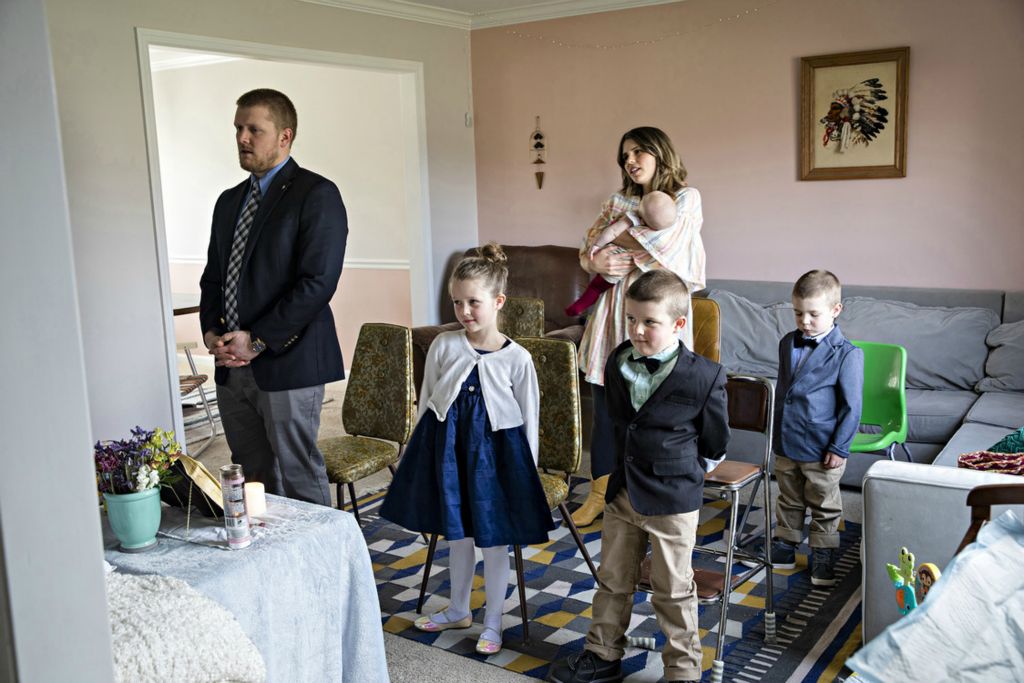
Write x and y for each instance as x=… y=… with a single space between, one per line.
x=817 y=629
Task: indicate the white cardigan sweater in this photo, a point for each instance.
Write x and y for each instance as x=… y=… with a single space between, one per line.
x=507 y=379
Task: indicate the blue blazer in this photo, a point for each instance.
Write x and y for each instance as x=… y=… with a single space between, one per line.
x=817 y=408
x=290 y=270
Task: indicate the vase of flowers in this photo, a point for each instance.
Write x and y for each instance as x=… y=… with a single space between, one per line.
x=129 y=474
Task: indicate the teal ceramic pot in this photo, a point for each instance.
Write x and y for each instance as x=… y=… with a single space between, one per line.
x=134 y=518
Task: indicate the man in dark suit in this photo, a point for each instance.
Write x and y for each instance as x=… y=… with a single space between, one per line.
x=670 y=418
x=275 y=256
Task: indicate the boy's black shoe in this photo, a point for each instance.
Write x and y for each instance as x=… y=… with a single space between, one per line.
x=585 y=667
x=823 y=572
x=783 y=555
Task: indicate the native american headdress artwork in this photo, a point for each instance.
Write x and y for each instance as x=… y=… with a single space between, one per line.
x=854 y=116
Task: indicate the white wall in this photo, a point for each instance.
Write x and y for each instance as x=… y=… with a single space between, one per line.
x=98 y=90
x=349 y=130
x=49 y=523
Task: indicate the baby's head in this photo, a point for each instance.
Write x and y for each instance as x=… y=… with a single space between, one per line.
x=817 y=301
x=658 y=210
x=656 y=308
x=477 y=287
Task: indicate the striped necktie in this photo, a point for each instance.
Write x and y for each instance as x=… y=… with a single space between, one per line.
x=235 y=261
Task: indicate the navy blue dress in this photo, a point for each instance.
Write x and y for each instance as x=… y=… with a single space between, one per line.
x=459 y=478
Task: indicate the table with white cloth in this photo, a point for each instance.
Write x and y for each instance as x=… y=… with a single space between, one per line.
x=303 y=592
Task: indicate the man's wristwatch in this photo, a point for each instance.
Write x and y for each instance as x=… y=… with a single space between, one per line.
x=257 y=345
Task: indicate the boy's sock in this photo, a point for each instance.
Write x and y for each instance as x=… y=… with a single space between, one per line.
x=596 y=287
x=496 y=575
x=461 y=563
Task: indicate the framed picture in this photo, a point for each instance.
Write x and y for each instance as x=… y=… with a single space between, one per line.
x=853 y=115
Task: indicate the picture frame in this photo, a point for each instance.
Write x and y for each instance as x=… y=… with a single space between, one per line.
x=853 y=115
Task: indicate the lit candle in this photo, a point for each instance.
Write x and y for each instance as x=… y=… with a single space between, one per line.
x=255 y=499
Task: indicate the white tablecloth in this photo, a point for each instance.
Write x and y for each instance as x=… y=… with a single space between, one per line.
x=303 y=592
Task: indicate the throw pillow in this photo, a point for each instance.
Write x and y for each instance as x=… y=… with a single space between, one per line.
x=1011 y=443
x=751 y=333
x=945 y=346
x=1004 y=368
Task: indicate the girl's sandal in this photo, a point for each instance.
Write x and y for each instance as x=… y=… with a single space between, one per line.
x=432 y=625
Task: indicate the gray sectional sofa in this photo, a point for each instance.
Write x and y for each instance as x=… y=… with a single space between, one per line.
x=965 y=380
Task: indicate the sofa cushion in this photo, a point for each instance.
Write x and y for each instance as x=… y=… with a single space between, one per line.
x=1004 y=368
x=971 y=437
x=751 y=333
x=945 y=346
x=933 y=416
x=999 y=409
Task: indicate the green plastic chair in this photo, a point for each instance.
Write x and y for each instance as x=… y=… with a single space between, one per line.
x=884 y=399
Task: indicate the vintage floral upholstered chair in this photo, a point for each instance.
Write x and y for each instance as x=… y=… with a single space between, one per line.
x=379 y=409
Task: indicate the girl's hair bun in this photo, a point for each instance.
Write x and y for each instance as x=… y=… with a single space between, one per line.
x=492 y=252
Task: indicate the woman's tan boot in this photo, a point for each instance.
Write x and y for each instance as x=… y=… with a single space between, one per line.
x=593 y=506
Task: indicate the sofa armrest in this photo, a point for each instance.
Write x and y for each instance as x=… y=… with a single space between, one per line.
x=573 y=333
x=921 y=507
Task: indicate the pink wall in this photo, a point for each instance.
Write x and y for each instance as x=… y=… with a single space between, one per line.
x=728 y=95
x=364 y=295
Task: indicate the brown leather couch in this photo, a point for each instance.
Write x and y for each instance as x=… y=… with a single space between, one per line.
x=553 y=274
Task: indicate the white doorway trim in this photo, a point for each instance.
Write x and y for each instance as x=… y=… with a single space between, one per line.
x=414 y=129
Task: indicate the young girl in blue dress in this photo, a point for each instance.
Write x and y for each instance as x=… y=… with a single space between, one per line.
x=469 y=472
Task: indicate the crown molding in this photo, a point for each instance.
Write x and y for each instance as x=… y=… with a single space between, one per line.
x=399 y=9
x=554 y=9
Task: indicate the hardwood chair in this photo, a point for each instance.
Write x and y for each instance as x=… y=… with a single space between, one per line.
x=379 y=410
x=981 y=499
x=561 y=442
x=189 y=383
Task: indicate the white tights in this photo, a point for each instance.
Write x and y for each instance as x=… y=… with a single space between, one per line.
x=461 y=563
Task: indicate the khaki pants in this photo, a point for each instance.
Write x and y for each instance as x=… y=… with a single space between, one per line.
x=805 y=485
x=623 y=544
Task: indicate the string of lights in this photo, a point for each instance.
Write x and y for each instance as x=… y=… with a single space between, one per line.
x=554 y=42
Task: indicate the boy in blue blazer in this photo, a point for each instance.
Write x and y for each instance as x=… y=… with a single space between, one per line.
x=670 y=419
x=817 y=412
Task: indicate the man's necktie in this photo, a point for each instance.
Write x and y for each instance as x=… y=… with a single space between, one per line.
x=800 y=341
x=235 y=261
x=652 y=364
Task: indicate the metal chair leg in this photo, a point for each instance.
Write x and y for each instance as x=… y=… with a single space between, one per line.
x=355 y=505
x=579 y=539
x=740 y=539
x=906 y=450
x=206 y=406
x=521 y=581
x=727 y=575
x=769 y=608
x=891 y=452
x=341 y=496
x=426 y=572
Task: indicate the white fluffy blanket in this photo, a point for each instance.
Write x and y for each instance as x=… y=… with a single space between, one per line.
x=165 y=630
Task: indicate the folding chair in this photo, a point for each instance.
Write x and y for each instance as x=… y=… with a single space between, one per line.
x=560 y=449
x=751 y=401
x=378 y=413
x=884 y=399
x=189 y=383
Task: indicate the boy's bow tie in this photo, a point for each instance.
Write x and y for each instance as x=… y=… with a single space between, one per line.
x=801 y=341
x=652 y=364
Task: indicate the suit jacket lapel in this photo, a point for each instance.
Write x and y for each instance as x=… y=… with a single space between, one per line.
x=820 y=355
x=278 y=186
